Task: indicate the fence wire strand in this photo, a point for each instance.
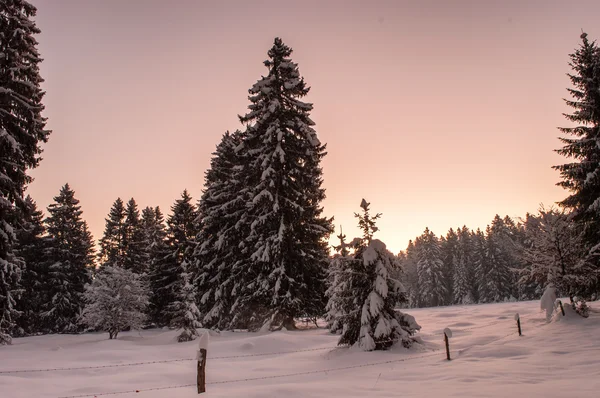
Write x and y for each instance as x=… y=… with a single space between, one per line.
x=72 y=368
x=128 y=392
x=369 y=364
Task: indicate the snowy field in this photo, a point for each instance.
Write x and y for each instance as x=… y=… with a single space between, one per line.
x=489 y=360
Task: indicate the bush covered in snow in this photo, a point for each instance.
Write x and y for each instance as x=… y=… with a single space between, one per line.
x=116 y=301
x=581 y=307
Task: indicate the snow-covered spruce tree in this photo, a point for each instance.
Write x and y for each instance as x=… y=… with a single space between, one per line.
x=181 y=231
x=185 y=313
x=582 y=175
x=530 y=287
x=463 y=269
x=499 y=277
x=157 y=255
x=380 y=322
x=182 y=228
x=480 y=261
x=372 y=323
x=340 y=294
x=514 y=245
x=283 y=276
x=450 y=253
x=112 y=244
x=70 y=259
x=430 y=270
x=410 y=275
x=220 y=209
x=134 y=240
x=508 y=237
x=30 y=247
x=22 y=130
x=149 y=227
x=116 y=300
x=554 y=253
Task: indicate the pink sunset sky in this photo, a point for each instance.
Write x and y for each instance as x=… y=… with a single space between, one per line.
x=439 y=113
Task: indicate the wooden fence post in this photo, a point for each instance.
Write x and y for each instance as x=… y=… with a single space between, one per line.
x=202 y=352
x=562 y=309
x=447 y=335
x=518 y=319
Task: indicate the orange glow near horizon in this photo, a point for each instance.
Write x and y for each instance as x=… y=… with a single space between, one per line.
x=441 y=114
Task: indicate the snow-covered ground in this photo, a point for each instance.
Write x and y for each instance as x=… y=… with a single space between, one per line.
x=489 y=360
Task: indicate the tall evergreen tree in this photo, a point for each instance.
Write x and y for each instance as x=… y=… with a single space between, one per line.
x=498 y=279
x=31 y=248
x=481 y=263
x=148 y=226
x=515 y=246
x=463 y=269
x=430 y=270
x=450 y=256
x=341 y=297
x=134 y=240
x=582 y=175
x=182 y=228
x=181 y=231
x=112 y=245
x=220 y=209
x=284 y=273
x=157 y=255
x=508 y=234
x=22 y=130
x=70 y=257
x=412 y=276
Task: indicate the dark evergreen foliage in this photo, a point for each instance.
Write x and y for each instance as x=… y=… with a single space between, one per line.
x=464 y=289
x=167 y=278
x=157 y=254
x=430 y=270
x=450 y=257
x=220 y=210
x=22 y=130
x=582 y=175
x=285 y=255
x=31 y=248
x=133 y=240
x=185 y=313
x=70 y=259
x=112 y=245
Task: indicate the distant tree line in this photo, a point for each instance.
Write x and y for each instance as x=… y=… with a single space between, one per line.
x=510 y=261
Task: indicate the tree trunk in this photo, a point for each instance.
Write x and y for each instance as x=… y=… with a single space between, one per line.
x=289 y=323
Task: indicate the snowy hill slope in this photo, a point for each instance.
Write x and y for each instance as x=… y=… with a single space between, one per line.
x=489 y=360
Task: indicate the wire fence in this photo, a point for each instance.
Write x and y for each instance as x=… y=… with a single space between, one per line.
x=267 y=377
x=12 y=371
